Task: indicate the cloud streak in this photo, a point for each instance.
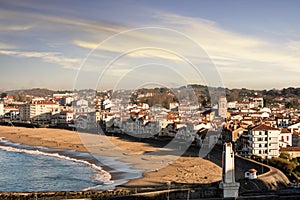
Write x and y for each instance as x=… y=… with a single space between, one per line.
x=49 y=57
x=198 y=40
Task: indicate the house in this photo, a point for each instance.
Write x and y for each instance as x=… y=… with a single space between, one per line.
x=258 y=101
x=294 y=127
x=264 y=141
x=285 y=138
x=296 y=139
x=1 y=109
x=251 y=174
x=81 y=122
x=11 y=113
x=8 y=100
x=294 y=152
x=63 y=118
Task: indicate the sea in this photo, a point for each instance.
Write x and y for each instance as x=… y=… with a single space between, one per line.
x=26 y=168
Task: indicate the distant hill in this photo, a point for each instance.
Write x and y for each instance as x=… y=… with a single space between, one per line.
x=42 y=92
x=290 y=97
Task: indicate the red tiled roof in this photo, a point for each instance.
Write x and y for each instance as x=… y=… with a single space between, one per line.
x=263 y=127
x=290 y=149
x=285 y=130
x=45 y=102
x=252 y=170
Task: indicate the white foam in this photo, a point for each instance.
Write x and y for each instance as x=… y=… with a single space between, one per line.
x=102 y=176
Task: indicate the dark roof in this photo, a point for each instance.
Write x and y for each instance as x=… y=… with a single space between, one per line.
x=263 y=127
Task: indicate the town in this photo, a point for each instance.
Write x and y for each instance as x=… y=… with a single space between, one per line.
x=256 y=129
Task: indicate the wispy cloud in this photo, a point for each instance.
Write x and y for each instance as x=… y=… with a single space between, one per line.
x=50 y=57
x=4 y=45
x=180 y=39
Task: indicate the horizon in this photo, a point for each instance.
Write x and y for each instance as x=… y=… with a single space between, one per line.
x=72 y=90
x=233 y=44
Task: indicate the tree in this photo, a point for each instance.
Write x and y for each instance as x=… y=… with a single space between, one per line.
x=3 y=94
x=285 y=155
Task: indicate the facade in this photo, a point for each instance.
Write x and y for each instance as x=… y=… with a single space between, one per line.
x=263 y=141
x=11 y=113
x=251 y=174
x=1 y=109
x=295 y=127
x=222 y=108
x=258 y=102
x=63 y=118
x=40 y=112
x=285 y=138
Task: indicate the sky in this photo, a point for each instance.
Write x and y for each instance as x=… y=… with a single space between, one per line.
x=110 y=44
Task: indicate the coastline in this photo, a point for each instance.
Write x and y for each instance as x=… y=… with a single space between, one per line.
x=185 y=169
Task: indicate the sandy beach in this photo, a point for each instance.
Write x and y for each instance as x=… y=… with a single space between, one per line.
x=159 y=169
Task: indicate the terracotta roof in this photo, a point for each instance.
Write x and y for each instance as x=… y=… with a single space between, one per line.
x=290 y=149
x=285 y=130
x=44 y=102
x=263 y=127
x=252 y=170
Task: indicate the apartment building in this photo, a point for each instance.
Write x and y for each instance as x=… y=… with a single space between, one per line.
x=39 y=111
x=264 y=141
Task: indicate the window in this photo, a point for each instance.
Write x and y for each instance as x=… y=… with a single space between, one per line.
x=259 y=151
x=266 y=151
x=282 y=138
x=287 y=138
x=259 y=145
x=266 y=145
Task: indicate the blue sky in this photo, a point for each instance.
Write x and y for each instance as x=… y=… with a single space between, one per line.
x=66 y=44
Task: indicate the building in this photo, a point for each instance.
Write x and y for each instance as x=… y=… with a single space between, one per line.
x=258 y=102
x=222 y=107
x=1 y=110
x=63 y=118
x=264 y=141
x=11 y=113
x=39 y=112
x=295 y=127
x=285 y=138
x=251 y=174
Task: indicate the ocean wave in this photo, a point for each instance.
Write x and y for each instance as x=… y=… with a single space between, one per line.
x=102 y=176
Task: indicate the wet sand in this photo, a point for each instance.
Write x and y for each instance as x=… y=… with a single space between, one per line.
x=159 y=169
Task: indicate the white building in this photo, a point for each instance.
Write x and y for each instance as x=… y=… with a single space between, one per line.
x=251 y=174
x=295 y=127
x=264 y=141
x=39 y=111
x=1 y=109
x=285 y=138
x=258 y=101
x=11 y=113
x=64 y=117
x=232 y=104
x=222 y=107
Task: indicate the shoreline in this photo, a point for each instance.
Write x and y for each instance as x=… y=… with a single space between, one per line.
x=185 y=170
